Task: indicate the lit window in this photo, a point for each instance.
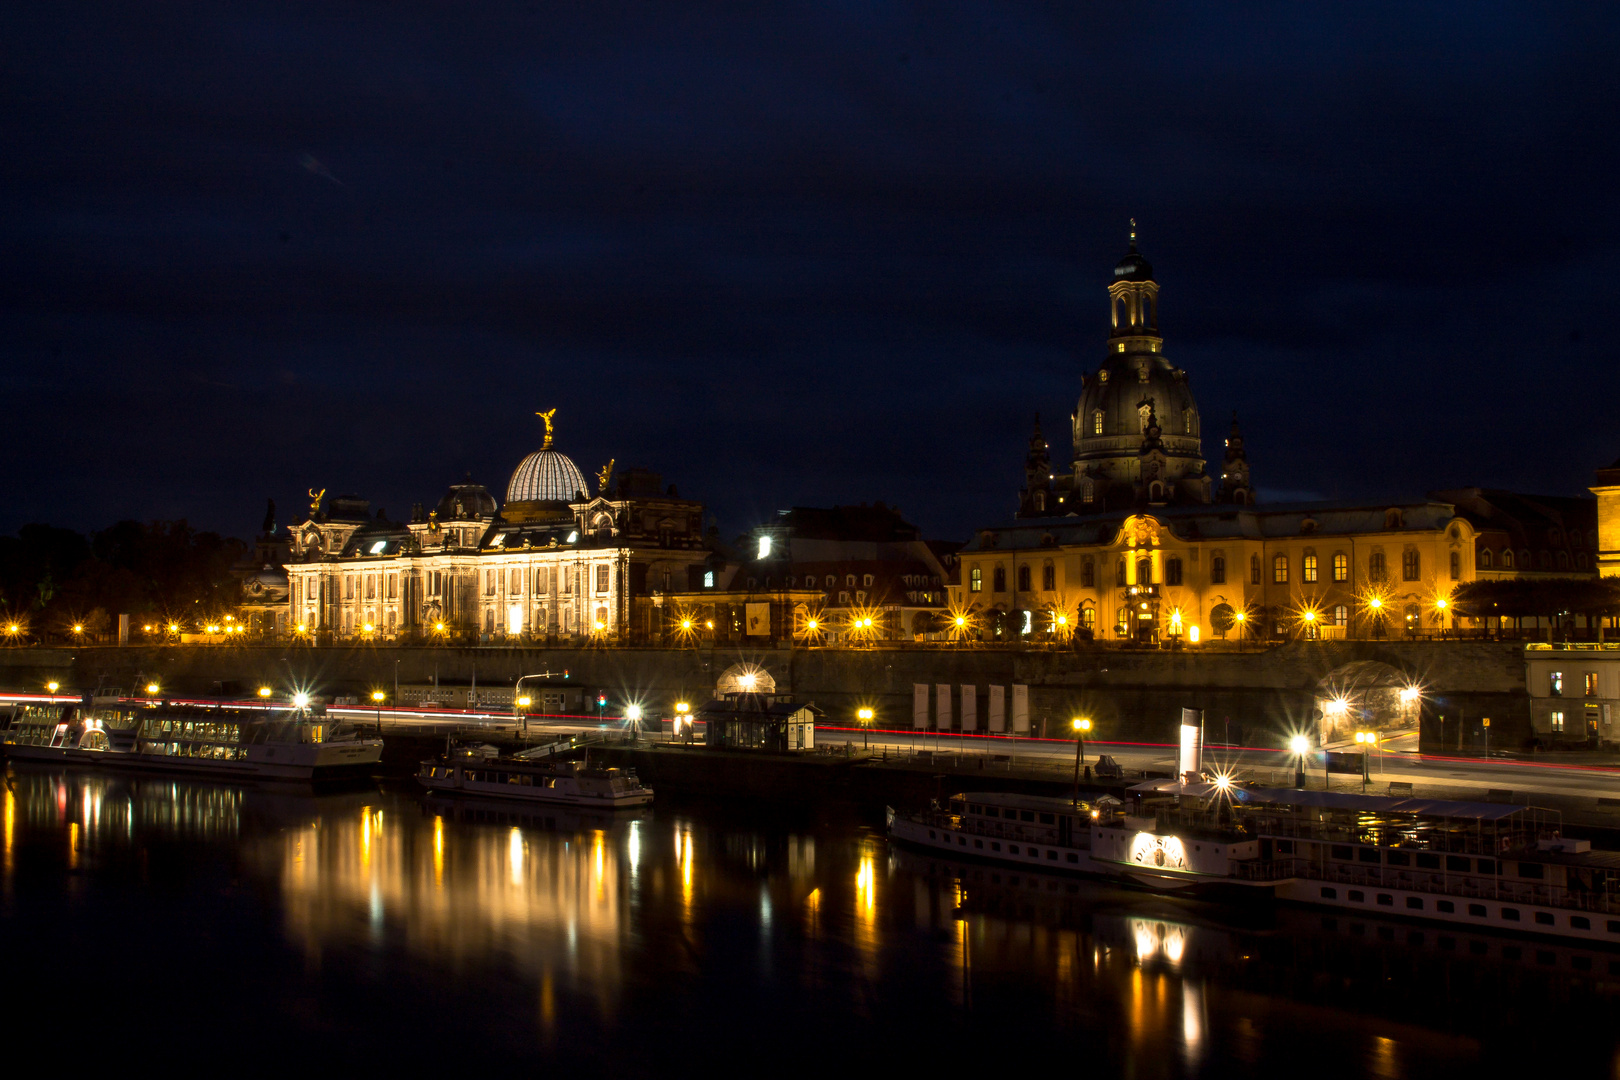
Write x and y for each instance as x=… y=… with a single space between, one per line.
x=1307 y=569
x=1591 y=684
x=975 y=580
x=379 y=547
x=1341 y=568
x=1556 y=720
x=764 y=547
x=1341 y=615
x=1279 y=570
x=708 y=579
x=1555 y=683
x=1097 y=422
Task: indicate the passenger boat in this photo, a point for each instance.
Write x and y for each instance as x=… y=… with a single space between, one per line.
x=1480 y=865
x=481 y=771
x=269 y=742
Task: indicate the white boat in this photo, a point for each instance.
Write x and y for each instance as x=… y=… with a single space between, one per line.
x=1480 y=865
x=276 y=743
x=481 y=771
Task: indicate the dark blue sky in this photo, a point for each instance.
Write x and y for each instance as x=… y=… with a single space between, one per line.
x=790 y=254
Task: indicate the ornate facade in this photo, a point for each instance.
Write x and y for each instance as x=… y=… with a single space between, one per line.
x=554 y=564
x=1133 y=540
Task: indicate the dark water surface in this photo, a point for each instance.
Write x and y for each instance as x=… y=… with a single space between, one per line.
x=220 y=928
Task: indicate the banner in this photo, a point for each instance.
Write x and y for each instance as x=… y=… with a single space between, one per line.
x=970 y=708
x=919 y=705
x=942 y=707
x=1020 y=709
x=996 y=707
x=759 y=619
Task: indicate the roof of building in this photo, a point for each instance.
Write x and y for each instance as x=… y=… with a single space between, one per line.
x=1220 y=522
x=466 y=500
x=546 y=476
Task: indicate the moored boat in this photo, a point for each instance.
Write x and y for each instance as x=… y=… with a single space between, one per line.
x=270 y=742
x=483 y=772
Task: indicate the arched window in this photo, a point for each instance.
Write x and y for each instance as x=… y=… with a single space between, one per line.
x=1375 y=566
x=1411 y=565
x=1186 y=421
x=1507 y=558
x=1279 y=570
x=1087 y=490
x=998 y=580
x=1485 y=558
x=1088 y=619
x=1097 y=422
x=1172 y=571
x=1456 y=565
x=1341 y=615
x=975 y=579
x=1119 y=572
x=1563 y=560
x=1217 y=570
x=1088 y=574
x=1023 y=579
x=1144 y=571
x=1307 y=568
x=1254 y=569
x=1155 y=492
x=1040 y=500
x=1048 y=577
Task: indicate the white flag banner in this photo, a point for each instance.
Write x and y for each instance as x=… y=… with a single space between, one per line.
x=919 y=705
x=970 y=708
x=1020 y=709
x=996 y=708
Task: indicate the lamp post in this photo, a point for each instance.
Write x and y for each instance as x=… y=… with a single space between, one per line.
x=1366 y=740
x=377 y=697
x=1081 y=725
x=683 y=718
x=632 y=713
x=1300 y=746
x=864 y=714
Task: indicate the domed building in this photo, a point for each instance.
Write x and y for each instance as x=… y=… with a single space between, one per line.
x=1137 y=440
x=553 y=564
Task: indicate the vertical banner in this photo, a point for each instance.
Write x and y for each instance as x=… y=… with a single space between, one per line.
x=1192 y=744
x=1020 y=709
x=942 y=707
x=997 y=708
x=919 y=705
x=970 y=708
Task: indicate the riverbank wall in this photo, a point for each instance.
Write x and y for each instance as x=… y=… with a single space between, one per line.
x=1248 y=695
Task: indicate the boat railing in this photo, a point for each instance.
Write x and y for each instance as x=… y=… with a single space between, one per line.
x=1267 y=869
x=1017 y=832
x=1470 y=888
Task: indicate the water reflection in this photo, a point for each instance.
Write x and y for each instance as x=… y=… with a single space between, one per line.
x=680 y=919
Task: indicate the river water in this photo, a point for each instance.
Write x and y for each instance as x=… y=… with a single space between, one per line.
x=221 y=927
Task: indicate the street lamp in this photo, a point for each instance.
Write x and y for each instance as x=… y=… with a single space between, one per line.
x=1081 y=725
x=301 y=700
x=865 y=714
x=53 y=686
x=1366 y=740
x=264 y=691
x=377 y=697
x=1300 y=746
x=683 y=718
x=152 y=689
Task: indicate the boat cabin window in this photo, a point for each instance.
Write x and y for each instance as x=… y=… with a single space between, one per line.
x=1487 y=866
x=1026 y=815
x=1285 y=847
x=1368 y=854
x=1048 y=819
x=1531 y=870
x=1457 y=864
x=1428 y=862
x=1342 y=851
x=1398 y=858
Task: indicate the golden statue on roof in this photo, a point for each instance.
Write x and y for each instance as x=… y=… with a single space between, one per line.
x=604 y=477
x=315 y=498
x=546 y=416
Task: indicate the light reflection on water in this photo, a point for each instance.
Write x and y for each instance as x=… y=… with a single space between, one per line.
x=648 y=924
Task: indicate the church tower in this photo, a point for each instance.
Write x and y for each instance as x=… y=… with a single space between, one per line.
x=1136 y=431
x=1037 y=500
x=1235 y=486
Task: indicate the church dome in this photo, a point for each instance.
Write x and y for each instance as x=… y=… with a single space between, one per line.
x=546 y=476
x=1133 y=267
x=464 y=501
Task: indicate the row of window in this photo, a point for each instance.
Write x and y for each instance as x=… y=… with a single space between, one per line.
x=1476 y=911
x=1310 y=572
x=1548 y=561
x=1555 y=683
x=541 y=579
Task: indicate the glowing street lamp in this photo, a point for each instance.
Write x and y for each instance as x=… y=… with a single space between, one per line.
x=1081 y=725
x=152 y=689
x=53 y=686
x=264 y=691
x=683 y=720
x=301 y=700
x=1299 y=745
x=865 y=715
x=377 y=697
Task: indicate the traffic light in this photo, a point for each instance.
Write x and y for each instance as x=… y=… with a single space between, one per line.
x=601 y=700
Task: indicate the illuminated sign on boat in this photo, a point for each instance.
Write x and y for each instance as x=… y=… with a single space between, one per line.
x=1158 y=851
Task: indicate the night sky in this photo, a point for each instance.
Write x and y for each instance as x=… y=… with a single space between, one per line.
x=791 y=255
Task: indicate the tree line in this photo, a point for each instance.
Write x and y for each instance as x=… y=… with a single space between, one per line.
x=57 y=584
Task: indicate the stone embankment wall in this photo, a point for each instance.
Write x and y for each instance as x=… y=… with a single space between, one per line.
x=1129 y=694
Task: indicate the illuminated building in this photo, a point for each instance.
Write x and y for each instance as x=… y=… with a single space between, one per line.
x=553 y=563
x=1133 y=540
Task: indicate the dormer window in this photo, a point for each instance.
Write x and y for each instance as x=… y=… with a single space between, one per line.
x=379 y=547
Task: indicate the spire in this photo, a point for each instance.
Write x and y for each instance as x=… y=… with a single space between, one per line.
x=1133 y=234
